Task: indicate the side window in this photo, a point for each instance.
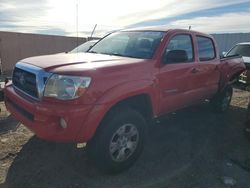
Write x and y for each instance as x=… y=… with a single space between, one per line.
x=179 y=49
x=206 y=49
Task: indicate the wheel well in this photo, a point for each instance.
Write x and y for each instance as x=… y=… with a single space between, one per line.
x=140 y=103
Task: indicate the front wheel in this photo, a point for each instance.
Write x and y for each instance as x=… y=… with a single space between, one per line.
x=119 y=141
x=221 y=101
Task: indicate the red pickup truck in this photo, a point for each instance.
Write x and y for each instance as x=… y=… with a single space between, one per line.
x=107 y=96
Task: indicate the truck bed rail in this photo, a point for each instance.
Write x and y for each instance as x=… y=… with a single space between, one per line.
x=230 y=57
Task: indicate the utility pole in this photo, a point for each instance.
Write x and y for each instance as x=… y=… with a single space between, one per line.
x=77 y=37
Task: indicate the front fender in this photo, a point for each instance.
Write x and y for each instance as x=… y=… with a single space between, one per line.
x=128 y=89
x=112 y=97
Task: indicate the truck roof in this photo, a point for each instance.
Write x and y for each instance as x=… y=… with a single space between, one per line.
x=164 y=29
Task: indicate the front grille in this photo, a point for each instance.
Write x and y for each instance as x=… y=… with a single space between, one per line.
x=25 y=81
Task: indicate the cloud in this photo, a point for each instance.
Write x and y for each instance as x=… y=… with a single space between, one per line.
x=59 y=17
x=113 y=15
x=14 y=10
x=16 y=15
x=226 y=23
x=173 y=8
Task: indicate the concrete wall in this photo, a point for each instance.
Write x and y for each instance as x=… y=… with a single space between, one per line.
x=16 y=46
x=228 y=40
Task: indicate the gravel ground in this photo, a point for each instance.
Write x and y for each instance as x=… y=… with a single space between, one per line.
x=193 y=148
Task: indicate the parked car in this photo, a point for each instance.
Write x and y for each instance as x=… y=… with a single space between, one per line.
x=107 y=96
x=242 y=49
x=84 y=47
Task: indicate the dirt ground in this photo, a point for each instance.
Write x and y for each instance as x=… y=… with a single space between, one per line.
x=193 y=148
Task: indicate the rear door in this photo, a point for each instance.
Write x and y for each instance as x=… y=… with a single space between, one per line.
x=208 y=74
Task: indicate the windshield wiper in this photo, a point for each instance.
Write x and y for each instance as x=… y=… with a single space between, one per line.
x=123 y=55
x=94 y=52
x=117 y=54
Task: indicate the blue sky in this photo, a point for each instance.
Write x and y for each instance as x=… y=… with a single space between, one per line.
x=58 y=17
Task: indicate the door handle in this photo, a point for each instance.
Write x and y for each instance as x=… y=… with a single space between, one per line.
x=195 y=70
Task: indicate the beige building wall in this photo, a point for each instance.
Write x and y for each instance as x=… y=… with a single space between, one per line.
x=17 y=46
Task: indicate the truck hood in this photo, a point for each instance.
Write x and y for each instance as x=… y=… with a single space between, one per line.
x=247 y=62
x=81 y=60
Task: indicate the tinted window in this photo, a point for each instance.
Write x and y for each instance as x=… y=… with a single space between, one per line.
x=181 y=43
x=205 y=49
x=243 y=50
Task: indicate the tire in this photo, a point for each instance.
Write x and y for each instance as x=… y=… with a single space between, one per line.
x=119 y=141
x=221 y=102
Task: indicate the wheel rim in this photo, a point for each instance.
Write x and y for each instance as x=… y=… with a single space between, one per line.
x=124 y=142
x=226 y=100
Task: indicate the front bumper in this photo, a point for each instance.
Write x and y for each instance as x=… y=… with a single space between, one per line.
x=43 y=118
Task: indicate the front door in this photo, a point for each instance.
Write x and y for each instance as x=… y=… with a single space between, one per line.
x=177 y=74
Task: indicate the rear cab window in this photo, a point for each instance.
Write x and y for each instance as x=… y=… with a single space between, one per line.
x=206 y=48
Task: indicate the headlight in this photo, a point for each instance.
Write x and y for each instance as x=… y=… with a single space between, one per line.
x=66 y=87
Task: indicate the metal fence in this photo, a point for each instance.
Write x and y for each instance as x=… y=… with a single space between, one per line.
x=17 y=46
x=228 y=40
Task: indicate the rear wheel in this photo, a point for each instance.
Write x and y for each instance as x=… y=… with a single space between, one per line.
x=119 y=141
x=221 y=101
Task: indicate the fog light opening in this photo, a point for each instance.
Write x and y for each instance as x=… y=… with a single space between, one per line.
x=63 y=123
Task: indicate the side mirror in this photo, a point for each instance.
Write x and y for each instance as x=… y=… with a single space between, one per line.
x=175 y=56
x=223 y=54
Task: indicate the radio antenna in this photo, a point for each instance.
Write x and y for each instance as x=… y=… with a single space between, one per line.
x=93 y=31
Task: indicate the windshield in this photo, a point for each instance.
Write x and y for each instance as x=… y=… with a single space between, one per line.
x=243 y=50
x=84 y=47
x=137 y=44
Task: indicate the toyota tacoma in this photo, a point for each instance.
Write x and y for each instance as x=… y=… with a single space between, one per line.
x=107 y=96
